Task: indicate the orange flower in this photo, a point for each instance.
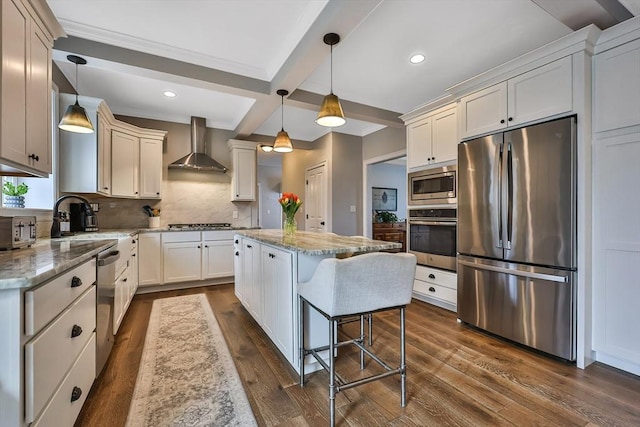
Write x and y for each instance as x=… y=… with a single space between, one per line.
x=290 y=204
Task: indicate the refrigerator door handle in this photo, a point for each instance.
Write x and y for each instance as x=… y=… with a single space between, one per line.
x=498 y=179
x=514 y=272
x=509 y=230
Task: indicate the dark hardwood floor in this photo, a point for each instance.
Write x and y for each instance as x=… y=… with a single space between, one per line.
x=456 y=376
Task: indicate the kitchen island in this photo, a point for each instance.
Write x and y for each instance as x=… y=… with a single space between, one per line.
x=268 y=267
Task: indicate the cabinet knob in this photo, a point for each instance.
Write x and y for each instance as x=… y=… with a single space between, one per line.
x=76 y=330
x=125 y=279
x=432 y=289
x=105 y=188
x=136 y=192
x=34 y=157
x=237 y=195
x=237 y=253
x=76 y=281
x=249 y=246
x=236 y=241
x=206 y=246
x=158 y=193
x=198 y=246
x=502 y=121
x=133 y=254
x=76 y=393
x=432 y=276
x=321 y=222
x=510 y=119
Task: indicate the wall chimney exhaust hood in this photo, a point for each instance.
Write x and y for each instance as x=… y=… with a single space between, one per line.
x=197 y=159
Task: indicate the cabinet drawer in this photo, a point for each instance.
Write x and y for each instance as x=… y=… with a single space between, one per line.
x=436 y=291
x=181 y=236
x=61 y=411
x=437 y=277
x=41 y=305
x=49 y=355
x=218 y=235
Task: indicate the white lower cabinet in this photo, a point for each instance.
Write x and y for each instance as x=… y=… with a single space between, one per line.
x=437 y=287
x=64 y=407
x=277 y=291
x=252 y=278
x=149 y=259
x=217 y=254
x=238 y=280
x=182 y=261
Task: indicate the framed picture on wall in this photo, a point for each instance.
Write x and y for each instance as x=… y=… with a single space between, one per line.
x=384 y=199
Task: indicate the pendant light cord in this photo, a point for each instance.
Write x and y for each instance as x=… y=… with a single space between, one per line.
x=282 y=112
x=331 y=74
x=77 y=84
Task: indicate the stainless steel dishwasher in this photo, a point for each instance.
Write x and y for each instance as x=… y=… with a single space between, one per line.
x=107 y=274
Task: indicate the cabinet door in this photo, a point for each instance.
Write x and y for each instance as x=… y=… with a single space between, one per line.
x=445 y=136
x=104 y=156
x=244 y=175
x=150 y=168
x=238 y=280
x=484 y=111
x=252 y=277
x=543 y=92
x=150 y=259
x=419 y=143
x=181 y=261
x=134 y=266
x=617 y=248
x=39 y=101
x=617 y=87
x=125 y=152
x=278 y=298
x=15 y=28
x=217 y=259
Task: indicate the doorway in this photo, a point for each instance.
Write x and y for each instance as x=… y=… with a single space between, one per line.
x=387 y=171
x=317 y=217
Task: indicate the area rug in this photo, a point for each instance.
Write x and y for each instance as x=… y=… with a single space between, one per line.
x=187 y=376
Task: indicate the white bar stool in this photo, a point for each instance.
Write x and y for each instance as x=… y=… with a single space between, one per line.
x=357 y=286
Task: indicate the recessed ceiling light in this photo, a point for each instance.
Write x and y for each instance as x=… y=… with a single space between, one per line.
x=416 y=58
x=169 y=94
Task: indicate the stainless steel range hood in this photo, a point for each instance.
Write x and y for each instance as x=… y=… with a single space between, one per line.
x=197 y=159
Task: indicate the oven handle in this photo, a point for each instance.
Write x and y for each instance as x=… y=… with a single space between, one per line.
x=447 y=223
x=109 y=258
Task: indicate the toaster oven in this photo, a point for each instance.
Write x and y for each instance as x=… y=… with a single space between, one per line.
x=17 y=231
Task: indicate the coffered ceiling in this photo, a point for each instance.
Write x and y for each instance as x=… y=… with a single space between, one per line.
x=225 y=59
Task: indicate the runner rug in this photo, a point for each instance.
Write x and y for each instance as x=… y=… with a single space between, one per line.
x=187 y=376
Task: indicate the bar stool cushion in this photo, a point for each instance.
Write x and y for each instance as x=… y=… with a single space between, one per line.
x=361 y=284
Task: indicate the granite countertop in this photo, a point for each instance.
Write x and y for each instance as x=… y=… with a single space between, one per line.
x=311 y=243
x=27 y=267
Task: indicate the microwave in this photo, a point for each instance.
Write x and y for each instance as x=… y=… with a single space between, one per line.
x=434 y=186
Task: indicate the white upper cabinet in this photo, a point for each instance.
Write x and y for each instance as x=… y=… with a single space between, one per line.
x=243 y=170
x=150 y=168
x=104 y=156
x=125 y=158
x=617 y=87
x=25 y=89
x=545 y=91
x=117 y=160
x=432 y=137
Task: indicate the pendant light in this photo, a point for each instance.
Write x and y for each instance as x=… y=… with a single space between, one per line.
x=283 y=143
x=75 y=119
x=266 y=148
x=331 y=114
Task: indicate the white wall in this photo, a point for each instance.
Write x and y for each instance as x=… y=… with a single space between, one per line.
x=391 y=176
x=270 y=181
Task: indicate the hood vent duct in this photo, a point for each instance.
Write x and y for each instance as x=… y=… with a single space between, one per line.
x=197 y=159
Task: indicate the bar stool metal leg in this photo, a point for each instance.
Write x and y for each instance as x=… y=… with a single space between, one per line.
x=362 y=340
x=332 y=376
x=301 y=338
x=403 y=366
x=370 y=323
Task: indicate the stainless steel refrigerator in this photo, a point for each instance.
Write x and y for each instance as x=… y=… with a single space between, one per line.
x=517 y=235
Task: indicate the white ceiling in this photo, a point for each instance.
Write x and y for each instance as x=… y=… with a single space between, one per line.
x=226 y=59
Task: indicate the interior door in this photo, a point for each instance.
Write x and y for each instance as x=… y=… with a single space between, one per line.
x=316 y=198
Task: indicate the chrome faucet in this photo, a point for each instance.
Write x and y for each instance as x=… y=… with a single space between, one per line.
x=55 y=226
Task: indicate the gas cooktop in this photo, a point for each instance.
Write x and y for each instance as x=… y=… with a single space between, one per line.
x=201 y=226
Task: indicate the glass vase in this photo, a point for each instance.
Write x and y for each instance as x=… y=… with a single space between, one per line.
x=290 y=226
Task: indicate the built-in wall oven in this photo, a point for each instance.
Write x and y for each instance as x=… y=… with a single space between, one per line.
x=432 y=237
x=435 y=186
